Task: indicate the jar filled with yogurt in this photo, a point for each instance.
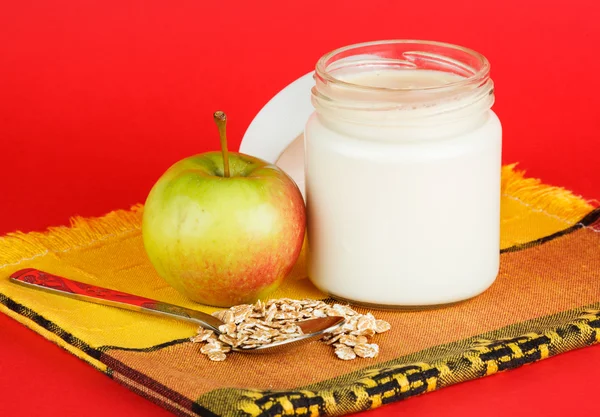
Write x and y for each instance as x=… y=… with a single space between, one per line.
x=403 y=161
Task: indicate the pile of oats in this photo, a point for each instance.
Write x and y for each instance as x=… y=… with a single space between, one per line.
x=249 y=326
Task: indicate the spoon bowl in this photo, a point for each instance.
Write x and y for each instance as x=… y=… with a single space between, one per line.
x=312 y=330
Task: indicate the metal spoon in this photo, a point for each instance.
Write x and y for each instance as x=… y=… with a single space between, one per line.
x=313 y=329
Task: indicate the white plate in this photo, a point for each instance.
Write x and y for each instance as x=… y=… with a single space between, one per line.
x=277 y=132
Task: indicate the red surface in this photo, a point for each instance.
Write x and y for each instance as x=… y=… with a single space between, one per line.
x=98 y=98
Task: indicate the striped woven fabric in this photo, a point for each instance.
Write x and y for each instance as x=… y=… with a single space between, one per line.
x=545 y=301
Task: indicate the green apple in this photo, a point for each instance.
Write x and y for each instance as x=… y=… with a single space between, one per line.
x=224 y=228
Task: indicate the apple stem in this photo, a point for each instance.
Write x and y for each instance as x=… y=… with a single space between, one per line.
x=221 y=121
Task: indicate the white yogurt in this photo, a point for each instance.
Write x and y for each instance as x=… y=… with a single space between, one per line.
x=403 y=186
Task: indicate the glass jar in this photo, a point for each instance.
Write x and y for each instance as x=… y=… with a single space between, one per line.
x=403 y=161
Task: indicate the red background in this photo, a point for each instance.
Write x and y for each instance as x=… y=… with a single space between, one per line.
x=98 y=98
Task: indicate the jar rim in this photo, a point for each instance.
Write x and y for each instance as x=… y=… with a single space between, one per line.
x=478 y=76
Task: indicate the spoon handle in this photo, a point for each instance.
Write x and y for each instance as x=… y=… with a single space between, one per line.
x=40 y=280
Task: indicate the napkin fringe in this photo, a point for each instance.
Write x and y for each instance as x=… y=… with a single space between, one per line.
x=554 y=201
x=18 y=246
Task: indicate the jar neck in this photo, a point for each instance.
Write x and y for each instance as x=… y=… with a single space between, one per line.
x=407 y=84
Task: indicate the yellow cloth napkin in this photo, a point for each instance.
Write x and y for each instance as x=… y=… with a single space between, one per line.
x=545 y=301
